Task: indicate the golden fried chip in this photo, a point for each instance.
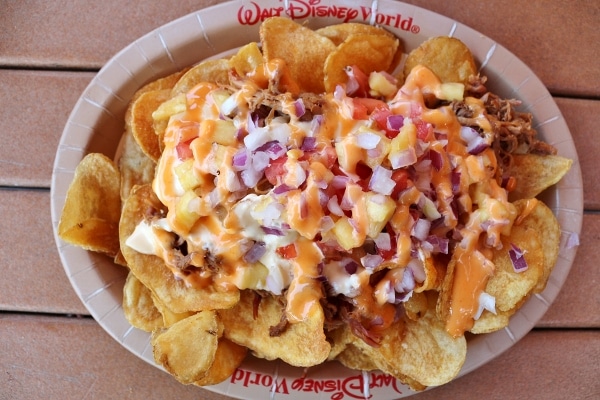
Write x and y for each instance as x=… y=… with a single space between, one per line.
x=152 y=271
x=507 y=286
x=215 y=71
x=138 y=306
x=228 y=357
x=142 y=123
x=187 y=349
x=534 y=173
x=168 y=317
x=419 y=353
x=489 y=322
x=449 y=58
x=303 y=50
x=301 y=344
x=368 y=52
x=136 y=168
x=539 y=217
x=166 y=82
x=90 y=216
x=340 y=32
x=247 y=59
x=354 y=358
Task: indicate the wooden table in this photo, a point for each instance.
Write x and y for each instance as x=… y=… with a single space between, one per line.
x=51 y=348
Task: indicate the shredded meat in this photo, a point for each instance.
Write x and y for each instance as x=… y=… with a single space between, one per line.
x=512 y=129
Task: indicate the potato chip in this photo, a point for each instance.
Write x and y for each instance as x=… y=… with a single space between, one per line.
x=152 y=271
x=142 y=123
x=302 y=344
x=135 y=167
x=534 y=173
x=490 y=322
x=303 y=50
x=228 y=357
x=419 y=353
x=188 y=349
x=508 y=286
x=539 y=217
x=168 y=317
x=449 y=58
x=216 y=71
x=247 y=59
x=138 y=307
x=354 y=358
x=166 y=82
x=90 y=217
x=368 y=52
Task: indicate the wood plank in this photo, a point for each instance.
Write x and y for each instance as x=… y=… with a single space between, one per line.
x=34 y=107
x=33 y=278
x=583 y=119
x=555 y=50
x=55 y=357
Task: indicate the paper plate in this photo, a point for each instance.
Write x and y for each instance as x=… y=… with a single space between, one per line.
x=96 y=124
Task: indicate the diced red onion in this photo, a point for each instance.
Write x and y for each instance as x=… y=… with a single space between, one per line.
x=256 y=138
x=421 y=229
x=299 y=108
x=371 y=261
x=468 y=134
x=517 y=258
x=260 y=160
x=367 y=140
x=346 y=203
x=395 y=122
x=439 y=244
x=326 y=224
x=315 y=124
x=381 y=181
x=241 y=159
x=477 y=146
x=401 y=159
x=257 y=250
x=250 y=177
x=455 y=179
x=271 y=230
x=309 y=143
x=572 y=240
x=417 y=269
x=351 y=266
x=437 y=161
x=383 y=241
x=339 y=182
x=407 y=283
x=281 y=189
x=334 y=207
x=273 y=148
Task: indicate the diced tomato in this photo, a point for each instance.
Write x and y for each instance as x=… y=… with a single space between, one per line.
x=275 y=171
x=363 y=107
x=287 y=252
x=400 y=176
x=424 y=129
x=326 y=156
x=380 y=117
x=360 y=79
x=184 y=151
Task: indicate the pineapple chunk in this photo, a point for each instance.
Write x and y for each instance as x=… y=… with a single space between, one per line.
x=188 y=178
x=452 y=91
x=346 y=235
x=379 y=211
x=169 y=108
x=380 y=85
x=349 y=154
x=251 y=276
x=186 y=211
x=382 y=149
x=222 y=132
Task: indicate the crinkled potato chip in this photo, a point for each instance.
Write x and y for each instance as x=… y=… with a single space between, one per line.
x=489 y=322
x=138 y=307
x=247 y=59
x=449 y=58
x=228 y=357
x=216 y=71
x=354 y=358
x=168 y=316
x=142 y=123
x=302 y=344
x=419 y=353
x=508 y=286
x=366 y=51
x=152 y=271
x=534 y=173
x=135 y=167
x=90 y=217
x=303 y=50
x=166 y=82
x=188 y=349
x=539 y=217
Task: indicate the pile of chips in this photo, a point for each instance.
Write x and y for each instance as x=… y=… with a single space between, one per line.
x=202 y=335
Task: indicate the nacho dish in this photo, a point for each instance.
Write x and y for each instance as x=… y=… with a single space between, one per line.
x=320 y=195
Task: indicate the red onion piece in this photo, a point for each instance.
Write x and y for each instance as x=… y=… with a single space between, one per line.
x=421 y=229
x=334 y=207
x=309 y=143
x=281 y=189
x=241 y=159
x=257 y=250
x=395 y=122
x=383 y=241
x=271 y=230
x=367 y=140
x=371 y=261
x=299 y=108
x=351 y=267
x=381 y=181
x=573 y=240
x=517 y=258
x=401 y=159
